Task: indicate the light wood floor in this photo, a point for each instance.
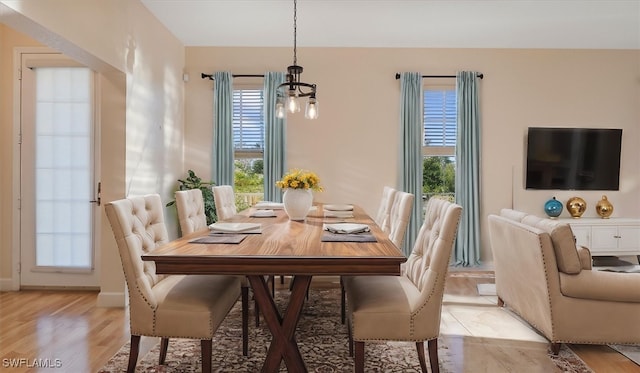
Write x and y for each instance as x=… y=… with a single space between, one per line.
x=64 y=329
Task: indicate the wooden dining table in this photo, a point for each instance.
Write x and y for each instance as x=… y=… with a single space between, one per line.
x=284 y=247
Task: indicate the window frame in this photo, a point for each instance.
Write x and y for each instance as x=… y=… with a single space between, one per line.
x=247 y=199
x=441 y=151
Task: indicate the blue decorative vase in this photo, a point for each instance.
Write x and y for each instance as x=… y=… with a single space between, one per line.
x=553 y=208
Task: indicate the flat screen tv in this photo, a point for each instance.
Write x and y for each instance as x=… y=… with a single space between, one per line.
x=573 y=158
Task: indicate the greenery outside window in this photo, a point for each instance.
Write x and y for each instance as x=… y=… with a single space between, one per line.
x=439 y=141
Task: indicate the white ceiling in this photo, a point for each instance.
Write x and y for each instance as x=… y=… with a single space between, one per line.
x=590 y=24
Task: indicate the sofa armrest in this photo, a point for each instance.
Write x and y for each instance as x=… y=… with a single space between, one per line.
x=585 y=257
x=600 y=285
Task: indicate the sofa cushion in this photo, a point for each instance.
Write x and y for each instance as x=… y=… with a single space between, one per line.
x=564 y=244
x=585 y=257
x=600 y=285
x=514 y=215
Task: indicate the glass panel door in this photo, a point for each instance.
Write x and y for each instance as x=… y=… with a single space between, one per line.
x=57 y=182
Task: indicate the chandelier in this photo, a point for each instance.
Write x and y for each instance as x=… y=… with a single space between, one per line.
x=293 y=88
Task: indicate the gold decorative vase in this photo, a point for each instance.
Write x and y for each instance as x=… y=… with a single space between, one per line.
x=604 y=208
x=576 y=206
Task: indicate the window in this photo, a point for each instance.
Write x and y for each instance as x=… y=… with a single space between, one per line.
x=440 y=120
x=439 y=141
x=248 y=143
x=248 y=123
x=63 y=173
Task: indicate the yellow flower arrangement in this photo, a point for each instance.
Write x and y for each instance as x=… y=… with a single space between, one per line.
x=300 y=179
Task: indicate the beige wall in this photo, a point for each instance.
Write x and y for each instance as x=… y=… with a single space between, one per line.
x=140 y=67
x=353 y=146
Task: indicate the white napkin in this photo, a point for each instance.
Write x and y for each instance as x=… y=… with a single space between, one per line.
x=263 y=213
x=338 y=207
x=235 y=228
x=267 y=205
x=338 y=214
x=346 y=228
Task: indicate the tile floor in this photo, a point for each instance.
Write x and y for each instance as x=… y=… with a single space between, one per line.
x=485 y=338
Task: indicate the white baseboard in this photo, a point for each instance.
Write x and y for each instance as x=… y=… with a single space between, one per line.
x=7 y=284
x=105 y=299
x=112 y=300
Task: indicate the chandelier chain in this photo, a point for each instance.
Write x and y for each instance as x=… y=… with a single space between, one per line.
x=295 y=32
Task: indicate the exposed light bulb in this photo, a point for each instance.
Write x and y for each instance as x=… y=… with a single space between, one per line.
x=293 y=106
x=280 y=113
x=311 y=112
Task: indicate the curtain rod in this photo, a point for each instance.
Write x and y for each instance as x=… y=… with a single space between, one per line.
x=480 y=75
x=210 y=76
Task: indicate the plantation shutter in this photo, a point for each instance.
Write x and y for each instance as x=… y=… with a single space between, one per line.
x=248 y=127
x=439 y=118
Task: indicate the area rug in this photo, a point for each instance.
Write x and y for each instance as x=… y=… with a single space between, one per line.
x=621 y=269
x=632 y=352
x=322 y=340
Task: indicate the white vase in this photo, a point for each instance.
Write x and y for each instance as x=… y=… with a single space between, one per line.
x=297 y=203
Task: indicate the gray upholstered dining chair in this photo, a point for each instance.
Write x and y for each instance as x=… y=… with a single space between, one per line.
x=406 y=307
x=396 y=222
x=384 y=208
x=225 y=201
x=165 y=306
x=191 y=216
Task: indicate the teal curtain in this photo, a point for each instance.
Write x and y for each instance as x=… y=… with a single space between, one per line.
x=467 y=248
x=274 y=138
x=410 y=178
x=223 y=168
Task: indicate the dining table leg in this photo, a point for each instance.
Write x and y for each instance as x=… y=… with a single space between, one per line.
x=283 y=343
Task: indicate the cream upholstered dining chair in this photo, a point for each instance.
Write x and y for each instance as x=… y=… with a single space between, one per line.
x=382 y=216
x=399 y=216
x=406 y=307
x=190 y=207
x=225 y=201
x=396 y=222
x=191 y=216
x=165 y=306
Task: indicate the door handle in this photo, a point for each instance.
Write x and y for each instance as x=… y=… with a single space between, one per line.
x=97 y=200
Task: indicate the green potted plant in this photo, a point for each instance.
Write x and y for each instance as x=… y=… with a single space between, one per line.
x=194 y=182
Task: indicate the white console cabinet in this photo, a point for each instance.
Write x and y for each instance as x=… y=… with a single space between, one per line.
x=614 y=236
